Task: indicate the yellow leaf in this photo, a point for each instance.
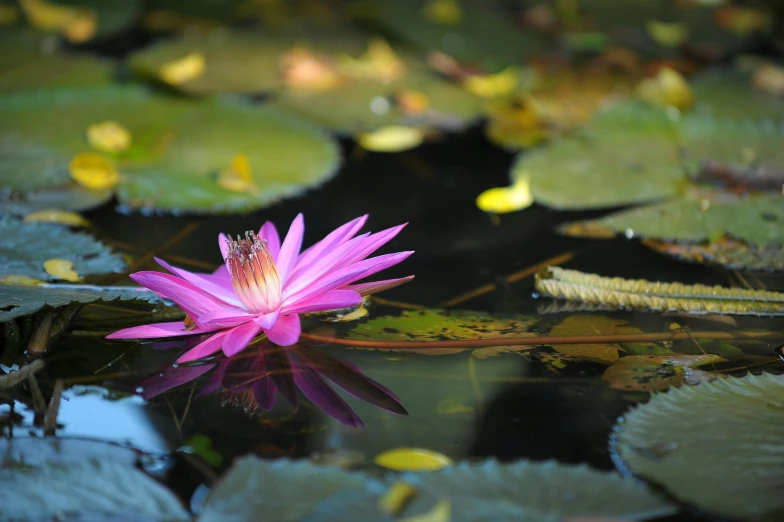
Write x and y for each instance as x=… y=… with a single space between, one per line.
x=412 y=459
x=502 y=200
x=667 y=89
x=77 y=24
x=517 y=122
x=412 y=102
x=769 y=78
x=670 y=34
x=93 y=171
x=392 y=138
x=19 y=280
x=108 y=136
x=442 y=512
x=61 y=269
x=396 y=498
x=493 y=85
x=237 y=177
x=61 y=217
x=183 y=70
x=301 y=69
x=443 y=12
x=380 y=62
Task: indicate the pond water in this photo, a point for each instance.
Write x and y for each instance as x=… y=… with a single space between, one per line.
x=538 y=403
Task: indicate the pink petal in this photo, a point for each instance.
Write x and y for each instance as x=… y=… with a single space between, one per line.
x=193 y=300
x=218 y=287
x=270 y=233
x=377 y=286
x=215 y=381
x=332 y=300
x=208 y=347
x=264 y=392
x=222 y=273
x=224 y=319
x=320 y=394
x=335 y=238
x=223 y=240
x=267 y=321
x=237 y=339
x=371 y=244
x=157 y=330
x=171 y=377
x=290 y=248
x=286 y=331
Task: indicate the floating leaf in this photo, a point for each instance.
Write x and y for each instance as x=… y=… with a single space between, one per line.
x=725 y=252
x=626 y=155
x=730 y=94
x=667 y=89
x=769 y=78
x=59 y=217
x=440 y=325
x=66 y=197
x=659 y=372
x=93 y=171
x=274 y=488
x=646 y=295
x=82 y=20
x=758 y=220
x=16 y=301
x=502 y=200
x=493 y=85
x=92 y=488
x=393 y=138
x=412 y=459
x=183 y=70
x=444 y=12
x=711 y=444
x=61 y=269
x=25 y=247
x=441 y=512
x=201 y=445
x=237 y=178
x=39 y=451
x=108 y=136
x=179 y=147
x=396 y=498
x=380 y=62
x=578 y=325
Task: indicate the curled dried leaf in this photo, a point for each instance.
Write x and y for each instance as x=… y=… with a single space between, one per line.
x=60 y=217
x=392 y=138
x=93 y=171
x=502 y=200
x=61 y=269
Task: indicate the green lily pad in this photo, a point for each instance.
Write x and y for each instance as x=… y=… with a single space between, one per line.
x=725 y=252
x=725 y=93
x=443 y=325
x=360 y=106
x=659 y=372
x=25 y=246
x=283 y=490
x=69 y=196
x=94 y=489
x=758 y=220
x=626 y=155
x=712 y=445
x=179 y=147
x=25 y=65
x=484 y=33
x=16 y=301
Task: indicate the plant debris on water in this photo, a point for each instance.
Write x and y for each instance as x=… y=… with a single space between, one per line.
x=595 y=195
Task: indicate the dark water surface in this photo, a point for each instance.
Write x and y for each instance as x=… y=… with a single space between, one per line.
x=505 y=406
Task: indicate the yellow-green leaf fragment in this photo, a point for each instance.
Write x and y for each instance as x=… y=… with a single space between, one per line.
x=61 y=269
x=185 y=69
x=502 y=200
x=395 y=499
x=392 y=138
x=443 y=12
x=493 y=85
x=60 y=217
x=412 y=459
x=19 y=280
x=593 y=289
x=108 y=136
x=667 y=89
x=237 y=178
x=441 y=512
x=93 y=171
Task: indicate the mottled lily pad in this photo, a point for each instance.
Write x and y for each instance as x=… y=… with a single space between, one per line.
x=725 y=252
x=178 y=148
x=442 y=325
x=659 y=372
x=711 y=445
x=576 y=325
x=24 y=247
x=625 y=155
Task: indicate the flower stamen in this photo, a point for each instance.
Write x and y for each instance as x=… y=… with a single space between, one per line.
x=254 y=275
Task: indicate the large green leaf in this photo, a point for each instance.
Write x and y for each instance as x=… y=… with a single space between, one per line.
x=25 y=246
x=443 y=325
x=24 y=65
x=16 y=301
x=627 y=154
x=717 y=445
x=178 y=147
x=730 y=94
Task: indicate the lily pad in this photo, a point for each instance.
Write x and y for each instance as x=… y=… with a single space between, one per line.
x=443 y=325
x=91 y=488
x=723 y=93
x=659 y=372
x=36 y=451
x=68 y=196
x=711 y=445
x=178 y=149
x=275 y=488
x=625 y=155
x=592 y=325
x=725 y=252
x=16 y=301
x=758 y=220
x=24 y=64
x=24 y=247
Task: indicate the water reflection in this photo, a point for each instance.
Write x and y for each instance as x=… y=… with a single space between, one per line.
x=253 y=379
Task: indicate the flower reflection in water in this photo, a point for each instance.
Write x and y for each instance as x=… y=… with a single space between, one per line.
x=256 y=376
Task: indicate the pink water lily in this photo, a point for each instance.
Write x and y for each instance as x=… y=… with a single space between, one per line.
x=264 y=285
